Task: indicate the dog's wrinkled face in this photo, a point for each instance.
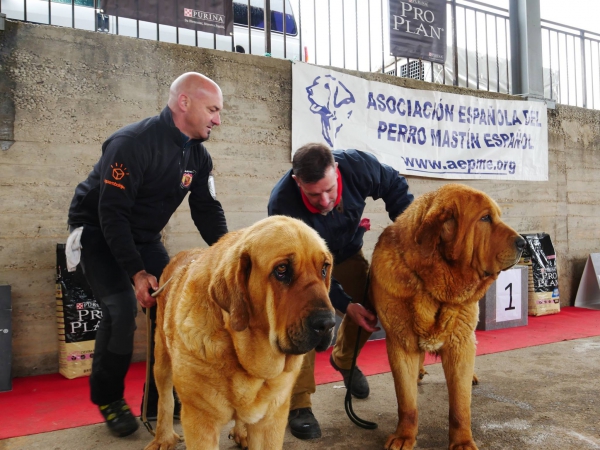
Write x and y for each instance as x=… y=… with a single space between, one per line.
x=288 y=282
x=465 y=226
x=492 y=245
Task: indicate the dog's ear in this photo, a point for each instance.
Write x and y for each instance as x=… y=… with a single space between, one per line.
x=451 y=238
x=455 y=231
x=436 y=227
x=229 y=289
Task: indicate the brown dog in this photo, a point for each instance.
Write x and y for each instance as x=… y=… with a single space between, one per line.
x=232 y=326
x=429 y=269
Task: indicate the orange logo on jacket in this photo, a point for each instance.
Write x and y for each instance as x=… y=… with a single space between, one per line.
x=187 y=178
x=118 y=173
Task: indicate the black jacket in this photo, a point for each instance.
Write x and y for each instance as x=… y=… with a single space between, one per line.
x=362 y=176
x=145 y=171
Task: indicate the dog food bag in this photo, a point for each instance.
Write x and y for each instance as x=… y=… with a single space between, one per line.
x=540 y=256
x=78 y=315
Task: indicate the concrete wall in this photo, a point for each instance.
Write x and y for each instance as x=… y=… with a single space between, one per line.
x=64 y=91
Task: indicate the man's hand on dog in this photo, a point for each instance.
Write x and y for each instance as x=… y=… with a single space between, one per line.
x=362 y=317
x=144 y=282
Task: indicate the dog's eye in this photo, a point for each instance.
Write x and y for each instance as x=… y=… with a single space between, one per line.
x=324 y=270
x=282 y=272
x=486 y=218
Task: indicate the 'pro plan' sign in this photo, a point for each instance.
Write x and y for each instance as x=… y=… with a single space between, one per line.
x=418 y=29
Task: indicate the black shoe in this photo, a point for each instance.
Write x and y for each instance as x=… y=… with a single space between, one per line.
x=303 y=424
x=360 y=385
x=152 y=411
x=119 y=419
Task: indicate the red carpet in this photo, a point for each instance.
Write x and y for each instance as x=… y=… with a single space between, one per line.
x=51 y=402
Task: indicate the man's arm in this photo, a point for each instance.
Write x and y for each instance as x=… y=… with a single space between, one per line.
x=339 y=299
x=122 y=171
x=143 y=283
x=394 y=191
x=382 y=181
x=281 y=200
x=207 y=212
x=121 y=174
x=357 y=312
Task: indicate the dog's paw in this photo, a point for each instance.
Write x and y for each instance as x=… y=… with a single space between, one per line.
x=422 y=373
x=239 y=434
x=395 y=442
x=475 y=381
x=463 y=446
x=161 y=443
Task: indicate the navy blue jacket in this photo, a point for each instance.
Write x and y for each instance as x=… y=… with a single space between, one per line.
x=362 y=176
x=145 y=171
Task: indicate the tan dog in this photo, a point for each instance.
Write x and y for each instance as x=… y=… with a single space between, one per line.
x=232 y=326
x=429 y=269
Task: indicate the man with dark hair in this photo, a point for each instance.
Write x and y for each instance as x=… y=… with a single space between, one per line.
x=327 y=190
x=117 y=214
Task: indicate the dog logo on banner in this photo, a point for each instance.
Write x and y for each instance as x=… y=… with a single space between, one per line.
x=330 y=99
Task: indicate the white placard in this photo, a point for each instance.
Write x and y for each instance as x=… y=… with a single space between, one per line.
x=588 y=293
x=419 y=132
x=508 y=295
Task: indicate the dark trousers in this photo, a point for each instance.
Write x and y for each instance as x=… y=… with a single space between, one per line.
x=113 y=289
x=352 y=275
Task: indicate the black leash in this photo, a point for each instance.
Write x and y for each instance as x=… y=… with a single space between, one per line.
x=348 y=400
x=143 y=416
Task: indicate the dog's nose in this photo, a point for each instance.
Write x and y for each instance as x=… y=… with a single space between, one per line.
x=520 y=243
x=321 y=322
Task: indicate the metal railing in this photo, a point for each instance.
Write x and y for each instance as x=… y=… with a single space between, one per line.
x=353 y=34
x=573 y=58
x=478 y=50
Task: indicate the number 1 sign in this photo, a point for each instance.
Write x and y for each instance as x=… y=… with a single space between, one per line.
x=508 y=296
x=506 y=301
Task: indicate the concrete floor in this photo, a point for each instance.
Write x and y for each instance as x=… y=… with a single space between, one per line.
x=543 y=397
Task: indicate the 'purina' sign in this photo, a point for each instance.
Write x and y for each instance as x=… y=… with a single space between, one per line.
x=210 y=16
x=418 y=132
x=418 y=29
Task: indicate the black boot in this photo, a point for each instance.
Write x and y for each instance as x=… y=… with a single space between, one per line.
x=360 y=385
x=118 y=418
x=303 y=424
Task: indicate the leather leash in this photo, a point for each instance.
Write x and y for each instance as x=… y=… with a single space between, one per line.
x=144 y=418
x=348 y=400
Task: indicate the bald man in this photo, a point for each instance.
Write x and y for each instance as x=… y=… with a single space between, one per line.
x=117 y=214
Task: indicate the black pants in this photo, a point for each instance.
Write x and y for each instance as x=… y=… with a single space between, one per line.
x=113 y=289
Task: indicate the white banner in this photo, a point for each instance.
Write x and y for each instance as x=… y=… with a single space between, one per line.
x=420 y=133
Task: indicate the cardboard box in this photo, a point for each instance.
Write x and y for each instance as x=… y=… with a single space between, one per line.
x=5 y=339
x=506 y=301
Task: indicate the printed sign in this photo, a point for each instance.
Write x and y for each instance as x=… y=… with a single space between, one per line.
x=508 y=295
x=418 y=132
x=211 y=16
x=418 y=29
